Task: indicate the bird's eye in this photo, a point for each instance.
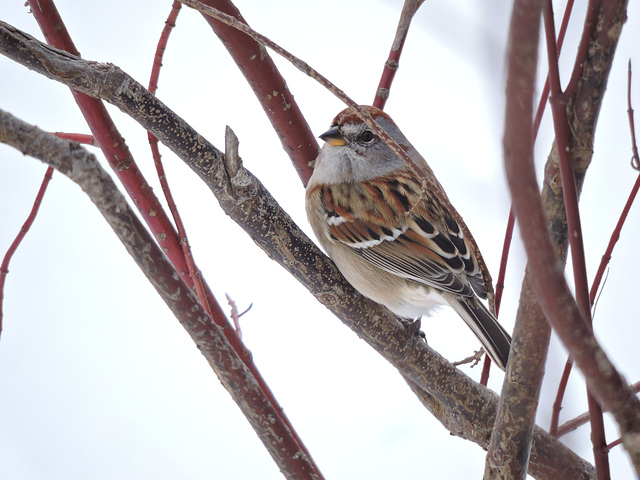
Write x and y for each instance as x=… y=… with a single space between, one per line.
x=367 y=136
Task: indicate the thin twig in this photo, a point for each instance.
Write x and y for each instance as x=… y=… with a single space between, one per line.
x=81 y=138
x=4 y=267
x=615 y=235
x=194 y=272
x=576 y=422
x=392 y=64
x=235 y=316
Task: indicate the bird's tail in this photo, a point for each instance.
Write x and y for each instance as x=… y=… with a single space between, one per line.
x=495 y=339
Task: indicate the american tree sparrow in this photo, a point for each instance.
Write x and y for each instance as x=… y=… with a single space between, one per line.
x=393 y=239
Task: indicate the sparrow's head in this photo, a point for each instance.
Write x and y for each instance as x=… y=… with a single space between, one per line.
x=353 y=153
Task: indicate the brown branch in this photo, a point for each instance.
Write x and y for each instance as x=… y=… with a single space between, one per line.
x=462 y=405
x=510 y=446
x=548 y=280
x=530 y=344
x=82 y=167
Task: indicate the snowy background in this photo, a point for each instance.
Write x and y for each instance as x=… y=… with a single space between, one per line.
x=99 y=381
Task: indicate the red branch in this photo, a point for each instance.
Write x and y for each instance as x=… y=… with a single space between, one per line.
x=393 y=61
x=4 y=268
x=615 y=236
x=78 y=137
x=570 y=195
x=194 y=273
x=112 y=143
x=547 y=275
x=269 y=87
x=536 y=128
x=606 y=257
x=119 y=157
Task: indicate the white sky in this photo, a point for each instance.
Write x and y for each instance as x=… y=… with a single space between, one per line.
x=98 y=380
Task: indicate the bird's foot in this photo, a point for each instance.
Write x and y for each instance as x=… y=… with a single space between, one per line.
x=413 y=327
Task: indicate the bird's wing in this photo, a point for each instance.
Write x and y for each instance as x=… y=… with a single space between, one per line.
x=388 y=222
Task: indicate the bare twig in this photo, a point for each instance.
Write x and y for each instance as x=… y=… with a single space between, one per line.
x=392 y=64
x=194 y=272
x=615 y=236
x=571 y=425
x=82 y=138
x=635 y=159
x=472 y=359
x=235 y=315
x=4 y=267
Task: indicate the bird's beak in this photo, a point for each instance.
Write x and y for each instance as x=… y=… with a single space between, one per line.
x=333 y=137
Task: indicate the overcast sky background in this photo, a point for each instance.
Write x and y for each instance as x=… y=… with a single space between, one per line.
x=98 y=380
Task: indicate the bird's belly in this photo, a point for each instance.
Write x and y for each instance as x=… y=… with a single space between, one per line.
x=405 y=298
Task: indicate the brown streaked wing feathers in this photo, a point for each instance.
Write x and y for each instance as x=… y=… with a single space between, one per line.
x=422 y=243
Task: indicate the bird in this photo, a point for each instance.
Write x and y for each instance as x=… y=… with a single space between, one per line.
x=385 y=225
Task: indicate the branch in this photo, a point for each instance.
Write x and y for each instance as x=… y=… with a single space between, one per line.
x=530 y=343
x=409 y=9
x=509 y=450
x=270 y=88
x=462 y=405
x=82 y=167
x=112 y=143
x=576 y=243
x=551 y=289
x=4 y=267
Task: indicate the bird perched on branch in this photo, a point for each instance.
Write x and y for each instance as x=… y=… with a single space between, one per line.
x=389 y=227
